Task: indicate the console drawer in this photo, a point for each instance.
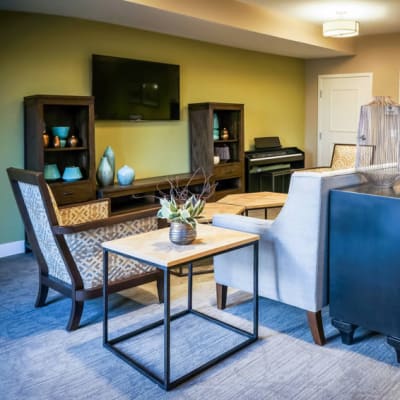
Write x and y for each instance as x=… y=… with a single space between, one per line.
x=73 y=192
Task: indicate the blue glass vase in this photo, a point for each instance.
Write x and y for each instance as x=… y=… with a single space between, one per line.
x=109 y=153
x=125 y=175
x=104 y=173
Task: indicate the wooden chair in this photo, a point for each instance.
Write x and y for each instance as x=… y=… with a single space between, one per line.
x=67 y=243
x=343 y=157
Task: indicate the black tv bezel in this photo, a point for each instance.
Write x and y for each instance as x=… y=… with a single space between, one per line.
x=135 y=117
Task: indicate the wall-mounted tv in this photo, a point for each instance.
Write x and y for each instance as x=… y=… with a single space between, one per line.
x=135 y=90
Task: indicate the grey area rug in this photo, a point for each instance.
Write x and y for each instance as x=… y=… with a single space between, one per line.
x=40 y=360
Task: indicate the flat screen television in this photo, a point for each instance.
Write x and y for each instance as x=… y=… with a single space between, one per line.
x=135 y=90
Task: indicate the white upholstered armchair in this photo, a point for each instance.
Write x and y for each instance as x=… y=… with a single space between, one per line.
x=67 y=243
x=293 y=248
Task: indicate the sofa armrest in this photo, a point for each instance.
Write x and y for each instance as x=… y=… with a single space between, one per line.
x=243 y=223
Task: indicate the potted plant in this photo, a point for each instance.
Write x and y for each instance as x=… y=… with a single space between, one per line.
x=181 y=207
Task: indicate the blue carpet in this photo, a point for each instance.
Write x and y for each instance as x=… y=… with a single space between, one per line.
x=40 y=360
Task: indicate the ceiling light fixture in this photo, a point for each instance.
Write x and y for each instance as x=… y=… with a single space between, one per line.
x=340 y=28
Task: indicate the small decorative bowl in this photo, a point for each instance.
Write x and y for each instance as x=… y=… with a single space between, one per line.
x=51 y=172
x=60 y=131
x=72 y=174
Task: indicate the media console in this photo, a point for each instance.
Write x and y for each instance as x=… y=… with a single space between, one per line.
x=143 y=194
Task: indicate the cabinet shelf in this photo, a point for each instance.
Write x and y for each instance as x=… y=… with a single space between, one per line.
x=52 y=149
x=221 y=141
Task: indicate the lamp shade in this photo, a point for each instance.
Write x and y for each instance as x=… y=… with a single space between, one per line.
x=340 y=28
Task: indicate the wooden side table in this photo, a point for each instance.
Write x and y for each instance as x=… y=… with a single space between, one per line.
x=210 y=209
x=256 y=200
x=155 y=248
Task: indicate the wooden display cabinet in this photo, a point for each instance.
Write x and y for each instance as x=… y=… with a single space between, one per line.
x=229 y=172
x=42 y=112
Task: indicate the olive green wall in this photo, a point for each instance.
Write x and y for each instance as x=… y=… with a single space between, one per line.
x=52 y=55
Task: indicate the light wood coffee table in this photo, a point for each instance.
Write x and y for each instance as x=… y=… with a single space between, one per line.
x=155 y=248
x=256 y=200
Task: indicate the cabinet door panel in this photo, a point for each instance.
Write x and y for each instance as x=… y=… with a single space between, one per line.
x=227 y=170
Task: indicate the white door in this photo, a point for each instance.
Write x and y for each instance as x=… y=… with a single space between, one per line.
x=339 y=102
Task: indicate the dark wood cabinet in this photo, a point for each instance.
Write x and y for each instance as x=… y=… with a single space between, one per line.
x=42 y=113
x=364 y=261
x=228 y=144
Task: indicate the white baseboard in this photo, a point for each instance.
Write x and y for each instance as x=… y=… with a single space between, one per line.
x=12 y=248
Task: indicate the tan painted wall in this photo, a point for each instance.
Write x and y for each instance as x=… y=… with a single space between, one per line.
x=51 y=55
x=378 y=54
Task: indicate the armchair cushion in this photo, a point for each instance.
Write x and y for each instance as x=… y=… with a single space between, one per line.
x=86 y=250
x=40 y=224
x=85 y=245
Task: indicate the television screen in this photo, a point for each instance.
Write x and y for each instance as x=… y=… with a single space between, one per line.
x=136 y=90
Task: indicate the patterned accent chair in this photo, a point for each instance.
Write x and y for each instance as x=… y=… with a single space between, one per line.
x=67 y=243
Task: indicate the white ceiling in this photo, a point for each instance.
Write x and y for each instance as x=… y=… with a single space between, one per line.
x=285 y=27
x=375 y=16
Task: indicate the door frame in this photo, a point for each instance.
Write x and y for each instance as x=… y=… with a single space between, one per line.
x=370 y=75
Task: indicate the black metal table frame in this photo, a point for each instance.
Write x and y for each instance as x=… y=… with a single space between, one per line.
x=182 y=273
x=246 y=211
x=166 y=382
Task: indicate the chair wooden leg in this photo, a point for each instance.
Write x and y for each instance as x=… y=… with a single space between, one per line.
x=75 y=315
x=316 y=327
x=222 y=292
x=160 y=289
x=41 y=295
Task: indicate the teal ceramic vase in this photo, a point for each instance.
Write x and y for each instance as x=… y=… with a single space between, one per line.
x=109 y=153
x=51 y=172
x=125 y=175
x=104 y=173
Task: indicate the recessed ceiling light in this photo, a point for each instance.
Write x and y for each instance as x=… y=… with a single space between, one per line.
x=340 y=28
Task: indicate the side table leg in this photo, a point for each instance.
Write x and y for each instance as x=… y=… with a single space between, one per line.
x=346 y=330
x=105 y=296
x=395 y=343
x=190 y=286
x=255 y=290
x=167 y=331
